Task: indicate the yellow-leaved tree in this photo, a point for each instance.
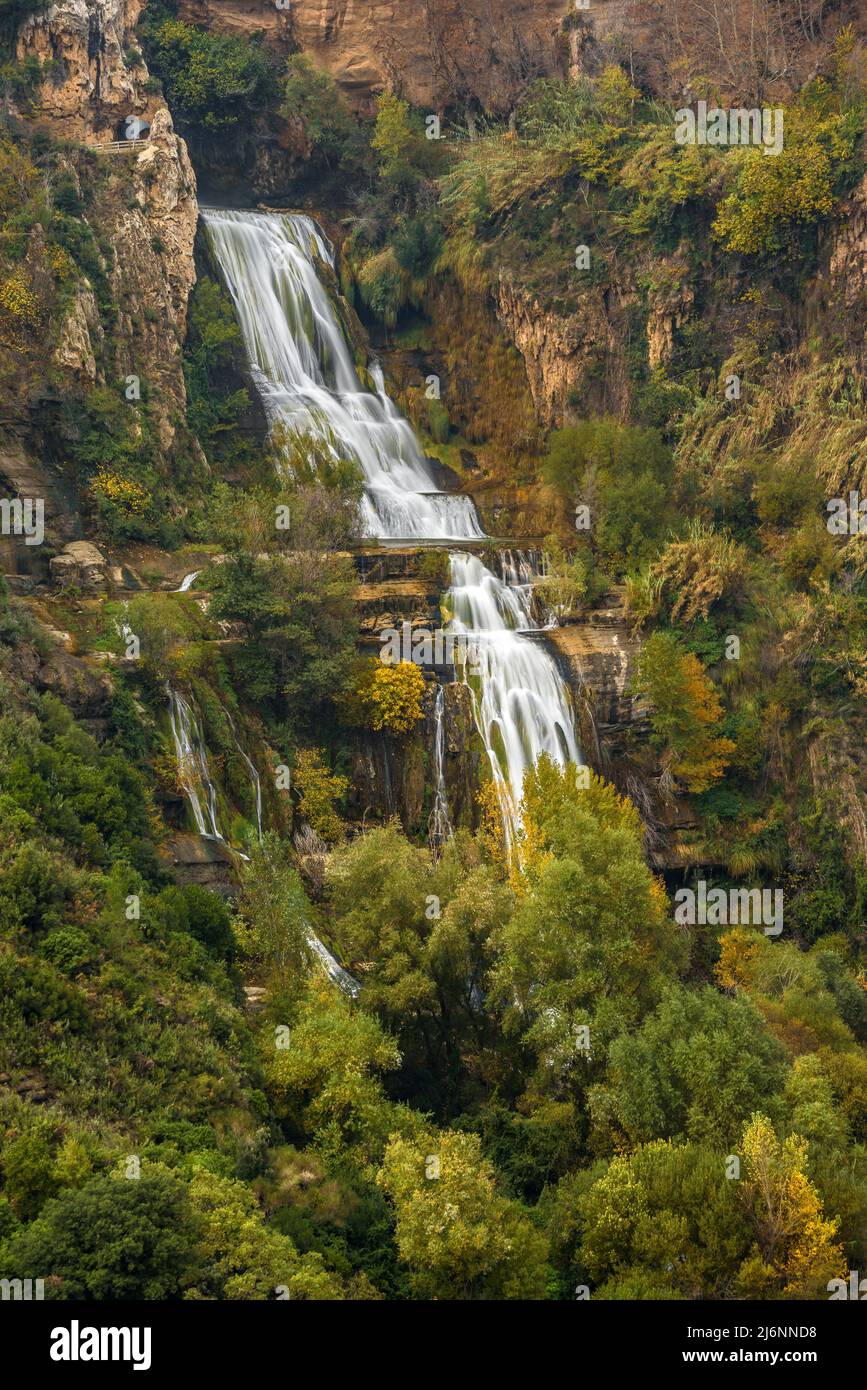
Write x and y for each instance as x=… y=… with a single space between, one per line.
x=685 y=713
x=459 y=1236
x=319 y=788
x=385 y=696
x=796 y=1251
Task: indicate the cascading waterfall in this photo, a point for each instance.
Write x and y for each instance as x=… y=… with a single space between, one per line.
x=193 y=765
x=332 y=967
x=302 y=366
x=194 y=777
x=254 y=775
x=521 y=704
x=518 y=568
x=439 y=825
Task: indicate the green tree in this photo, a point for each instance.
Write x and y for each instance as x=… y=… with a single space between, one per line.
x=398 y=139
x=695 y=1069
x=424 y=927
x=685 y=713
x=277 y=916
x=313 y=97
x=27 y=1163
x=215 y=83
x=326 y=1082
x=622 y=473
x=300 y=624
x=770 y=198
x=110 y=1240
x=662 y=1222
x=459 y=1236
x=591 y=942
x=241 y=1257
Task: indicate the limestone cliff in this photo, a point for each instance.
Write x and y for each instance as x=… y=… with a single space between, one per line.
x=572 y=361
x=146 y=211
x=424 y=51
x=92 y=89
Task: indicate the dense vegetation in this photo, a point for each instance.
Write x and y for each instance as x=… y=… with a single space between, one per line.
x=544 y=1078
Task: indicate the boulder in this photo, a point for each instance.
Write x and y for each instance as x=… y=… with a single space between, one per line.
x=80 y=562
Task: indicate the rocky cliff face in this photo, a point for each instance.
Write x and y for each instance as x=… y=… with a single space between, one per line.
x=154 y=270
x=146 y=217
x=420 y=50
x=423 y=50
x=575 y=362
x=395 y=776
x=91 y=90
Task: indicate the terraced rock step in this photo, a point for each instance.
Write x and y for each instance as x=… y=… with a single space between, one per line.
x=598 y=652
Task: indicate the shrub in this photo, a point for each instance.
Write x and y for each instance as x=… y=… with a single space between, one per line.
x=69 y=949
x=319 y=788
x=704 y=569
x=386 y=697
x=313 y=97
x=771 y=197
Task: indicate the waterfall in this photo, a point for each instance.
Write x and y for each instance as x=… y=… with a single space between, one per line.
x=333 y=969
x=254 y=775
x=303 y=368
x=304 y=371
x=439 y=825
x=518 y=568
x=257 y=787
x=194 y=777
x=193 y=771
x=521 y=704
x=187 y=582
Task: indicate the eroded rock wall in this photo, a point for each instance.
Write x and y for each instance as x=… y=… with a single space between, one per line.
x=145 y=219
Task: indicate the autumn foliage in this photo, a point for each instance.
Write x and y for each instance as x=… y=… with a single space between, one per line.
x=685 y=713
x=383 y=696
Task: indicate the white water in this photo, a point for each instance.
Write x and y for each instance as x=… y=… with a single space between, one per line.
x=187 y=582
x=254 y=774
x=439 y=825
x=334 y=970
x=306 y=376
x=195 y=778
x=520 y=701
x=193 y=771
x=305 y=373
